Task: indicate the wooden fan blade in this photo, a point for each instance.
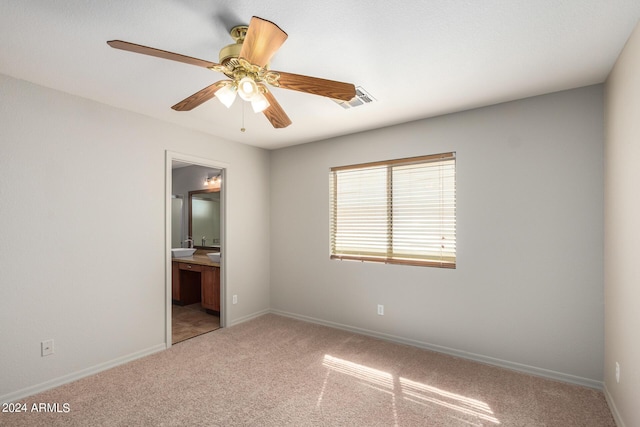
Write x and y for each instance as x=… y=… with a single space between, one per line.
x=316 y=86
x=198 y=98
x=274 y=113
x=263 y=39
x=137 y=48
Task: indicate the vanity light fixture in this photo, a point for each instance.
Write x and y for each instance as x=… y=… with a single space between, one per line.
x=212 y=180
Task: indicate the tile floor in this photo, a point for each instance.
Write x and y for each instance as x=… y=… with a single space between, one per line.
x=190 y=321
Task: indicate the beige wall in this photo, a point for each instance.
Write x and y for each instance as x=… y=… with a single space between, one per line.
x=82 y=211
x=527 y=292
x=622 y=235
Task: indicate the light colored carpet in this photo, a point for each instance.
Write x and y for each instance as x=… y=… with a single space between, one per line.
x=276 y=371
x=190 y=321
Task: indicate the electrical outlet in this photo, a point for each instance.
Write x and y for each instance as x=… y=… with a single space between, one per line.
x=381 y=309
x=46 y=347
x=617 y=372
x=235 y=299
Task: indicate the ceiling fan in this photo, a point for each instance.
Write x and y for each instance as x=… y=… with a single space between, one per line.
x=245 y=63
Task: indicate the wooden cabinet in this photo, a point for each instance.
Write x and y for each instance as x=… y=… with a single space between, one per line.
x=175 y=282
x=211 y=288
x=192 y=283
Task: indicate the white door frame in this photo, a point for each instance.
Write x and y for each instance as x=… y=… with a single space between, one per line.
x=170 y=156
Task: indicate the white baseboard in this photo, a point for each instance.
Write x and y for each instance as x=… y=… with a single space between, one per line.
x=559 y=376
x=612 y=406
x=56 y=382
x=248 y=317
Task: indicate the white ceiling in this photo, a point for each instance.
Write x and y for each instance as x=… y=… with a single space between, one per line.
x=417 y=58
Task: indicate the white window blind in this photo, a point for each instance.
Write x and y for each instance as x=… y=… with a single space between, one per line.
x=399 y=211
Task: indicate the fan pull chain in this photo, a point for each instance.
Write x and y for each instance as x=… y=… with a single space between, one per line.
x=242 y=129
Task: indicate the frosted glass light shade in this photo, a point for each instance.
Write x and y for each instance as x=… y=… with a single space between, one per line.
x=259 y=103
x=247 y=88
x=226 y=95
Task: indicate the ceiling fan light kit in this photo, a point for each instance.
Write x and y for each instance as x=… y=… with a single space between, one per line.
x=248 y=91
x=245 y=63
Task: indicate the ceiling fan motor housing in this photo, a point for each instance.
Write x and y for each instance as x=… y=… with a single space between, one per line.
x=231 y=51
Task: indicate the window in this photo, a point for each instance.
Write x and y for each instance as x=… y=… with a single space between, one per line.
x=397 y=211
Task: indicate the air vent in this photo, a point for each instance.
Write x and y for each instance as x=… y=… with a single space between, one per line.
x=362 y=97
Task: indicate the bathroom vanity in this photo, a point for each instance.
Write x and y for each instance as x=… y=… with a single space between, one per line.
x=196 y=279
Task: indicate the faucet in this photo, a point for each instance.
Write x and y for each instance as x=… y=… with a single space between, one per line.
x=189 y=242
x=204 y=240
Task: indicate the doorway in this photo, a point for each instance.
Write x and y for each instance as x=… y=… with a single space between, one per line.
x=190 y=316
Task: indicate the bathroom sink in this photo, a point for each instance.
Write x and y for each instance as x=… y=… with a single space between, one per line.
x=214 y=256
x=182 y=252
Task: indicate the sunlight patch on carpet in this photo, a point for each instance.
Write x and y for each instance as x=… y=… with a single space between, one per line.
x=409 y=390
x=419 y=392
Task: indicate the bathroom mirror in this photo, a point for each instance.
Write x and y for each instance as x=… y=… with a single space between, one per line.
x=204 y=218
